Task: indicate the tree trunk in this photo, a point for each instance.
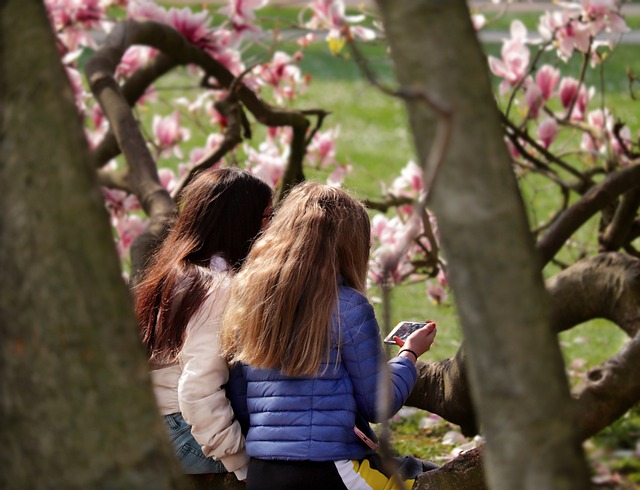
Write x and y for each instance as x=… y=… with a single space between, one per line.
x=526 y=414
x=75 y=398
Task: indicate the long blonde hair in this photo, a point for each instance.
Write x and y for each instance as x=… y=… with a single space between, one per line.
x=283 y=299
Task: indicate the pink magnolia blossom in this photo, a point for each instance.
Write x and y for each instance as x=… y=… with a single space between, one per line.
x=134 y=58
x=194 y=26
x=602 y=140
x=621 y=145
x=599 y=8
x=283 y=75
x=336 y=178
x=94 y=137
x=578 y=95
x=534 y=100
x=119 y=203
x=514 y=64
x=410 y=182
x=167 y=178
x=584 y=96
x=197 y=154
x=547 y=132
x=379 y=224
x=330 y=15
x=66 y=13
x=604 y=16
x=269 y=161
x=589 y=143
x=599 y=119
x=146 y=10
x=75 y=38
x=241 y=16
x=379 y=265
x=128 y=229
x=168 y=133
x=97 y=116
x=322 y=150
x=565 y=28
x=568 y=91
x=392 y=251
x=595 y=141
x=547 y=79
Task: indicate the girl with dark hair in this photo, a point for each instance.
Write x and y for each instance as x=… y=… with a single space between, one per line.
x=179 y=305
x=310 y=349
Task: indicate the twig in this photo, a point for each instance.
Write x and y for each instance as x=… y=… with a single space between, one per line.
x=430 y=168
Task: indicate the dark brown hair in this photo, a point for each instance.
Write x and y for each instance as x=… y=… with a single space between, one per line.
x=221 y=215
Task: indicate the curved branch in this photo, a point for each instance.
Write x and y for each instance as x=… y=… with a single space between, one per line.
x=616 y=235
x=181 y=52
x=519 y=134
x=134 y=88
x=116 y=104
x=464 y=472
x=442 y=388
x=598 y=197
x=114 y=179
x=231 y=109
x=143 y=174
x=605 y=286
x=610 y=390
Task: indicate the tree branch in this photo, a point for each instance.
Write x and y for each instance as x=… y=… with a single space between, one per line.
x=598 y=197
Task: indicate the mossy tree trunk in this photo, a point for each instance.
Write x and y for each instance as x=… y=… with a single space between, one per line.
x=526 y=414
x=75 y=398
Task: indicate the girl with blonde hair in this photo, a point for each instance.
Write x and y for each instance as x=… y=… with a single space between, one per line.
x=179 y=305
x=310 y=349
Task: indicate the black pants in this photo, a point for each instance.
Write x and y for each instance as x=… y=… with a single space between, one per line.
x=322 y=475
x=293 y=475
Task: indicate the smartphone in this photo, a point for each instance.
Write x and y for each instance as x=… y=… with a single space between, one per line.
x=403 y=330
x=372 y=444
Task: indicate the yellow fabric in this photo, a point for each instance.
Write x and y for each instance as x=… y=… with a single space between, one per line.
x=377 y=480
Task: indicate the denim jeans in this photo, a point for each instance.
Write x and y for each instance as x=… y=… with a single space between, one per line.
x=188 y=452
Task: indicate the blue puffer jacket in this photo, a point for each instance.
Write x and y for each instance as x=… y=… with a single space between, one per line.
x=314 y=418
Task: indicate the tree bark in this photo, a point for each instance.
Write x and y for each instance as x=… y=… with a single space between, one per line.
x=75 y=398
x=605 y=286
x=443 y=388
x=493 y=267
x=462 y=473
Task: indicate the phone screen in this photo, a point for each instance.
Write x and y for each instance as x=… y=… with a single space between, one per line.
x=403 y=330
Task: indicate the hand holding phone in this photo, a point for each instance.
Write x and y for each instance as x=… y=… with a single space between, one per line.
x=402 y=330
x=416 y=337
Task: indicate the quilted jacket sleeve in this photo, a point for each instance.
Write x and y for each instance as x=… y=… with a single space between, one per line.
x=362 y=354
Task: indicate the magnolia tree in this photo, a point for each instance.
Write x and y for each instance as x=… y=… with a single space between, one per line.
x=146 y=147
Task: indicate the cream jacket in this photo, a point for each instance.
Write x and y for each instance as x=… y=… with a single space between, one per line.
x=194 y=384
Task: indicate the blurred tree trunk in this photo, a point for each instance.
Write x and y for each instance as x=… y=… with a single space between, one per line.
x=76 y=403
x=526 y=414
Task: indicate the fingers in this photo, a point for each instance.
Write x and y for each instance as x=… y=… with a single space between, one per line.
x=420 y=341
x=399 y=342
